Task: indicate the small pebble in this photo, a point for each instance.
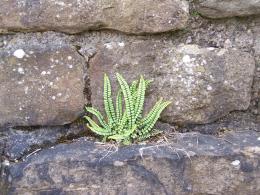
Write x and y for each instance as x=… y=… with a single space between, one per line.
x=236 y=163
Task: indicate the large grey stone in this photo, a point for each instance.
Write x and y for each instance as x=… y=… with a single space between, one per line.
x=73 y=16
x=41 y=81
x=227 y=8
x=187 y=164
x=203 y=84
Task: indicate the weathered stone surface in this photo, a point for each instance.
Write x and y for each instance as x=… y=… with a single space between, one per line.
x=18 y=143
x=235 y=121
x=203 y=84
x=188 y=164
x=256 y=87
x=227 y=8
x=73 y=16
x=226 y=33
x=41 y=82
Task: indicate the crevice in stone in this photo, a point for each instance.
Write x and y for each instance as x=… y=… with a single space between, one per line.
x=101 y=30
x=37 y=127
x=18 y=147
x=87 y=90
x=254 y=103
x=2 y=154
x=3 y=176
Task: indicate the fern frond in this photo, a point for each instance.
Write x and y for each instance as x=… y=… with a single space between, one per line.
x=98 y=115
x=133 y=87
x=124 y=135
x=108 y=102
x=122 y=123
x=149 y=116
x=128 y=99
x=147 y=83
x=148 y=135
x=139 y=102
x=97 y=129
x=125 y=124
x=119 y=106
x=155 y=116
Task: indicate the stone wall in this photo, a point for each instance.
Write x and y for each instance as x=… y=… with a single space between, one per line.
x=206 y=67
x=203 y=55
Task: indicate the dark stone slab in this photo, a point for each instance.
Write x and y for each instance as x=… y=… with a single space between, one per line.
x=20 y=142
x=189 y=163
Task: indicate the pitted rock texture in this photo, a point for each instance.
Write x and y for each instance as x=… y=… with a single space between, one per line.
x=233 y=122
x=187 y=164
x=256 y=87
x=41 y=82
x=73 y=16
x=226 y=33
x=227 y=8
x=20 y=142
x=203 y=84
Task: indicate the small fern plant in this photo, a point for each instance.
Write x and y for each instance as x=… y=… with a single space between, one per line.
x=124 y=121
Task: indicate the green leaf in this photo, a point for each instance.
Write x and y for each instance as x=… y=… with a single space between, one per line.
x=128 y=99
x=133 y=87
x=147 y=83
x=108 y=102
x=122 y=123
x=98 y=115
x=155 y=116
x=148 y=135
x=119 y=106
x=139 y=103
x=97 y=129
x=124 y=135
x=149 y=116
x=125 y=124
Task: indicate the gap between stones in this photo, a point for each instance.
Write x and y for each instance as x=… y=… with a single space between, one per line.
x=87 y=90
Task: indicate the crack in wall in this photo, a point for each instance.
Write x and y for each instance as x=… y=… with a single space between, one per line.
x=3 y=176
x=87 y=59
x=255 y=97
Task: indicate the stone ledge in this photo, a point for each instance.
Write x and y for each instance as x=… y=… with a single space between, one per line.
x=188 y=163
x=73 y=16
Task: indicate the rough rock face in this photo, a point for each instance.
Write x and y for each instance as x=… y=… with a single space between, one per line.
x=187 y=164
x=41 y=83
x=206 y=69
x=227 y=8
x=73 y=16
x=202 y=83
x=17 y=143
x=256 y=87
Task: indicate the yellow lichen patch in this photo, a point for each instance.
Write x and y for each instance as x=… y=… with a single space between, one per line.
x=251 y=151
x=200 y=69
